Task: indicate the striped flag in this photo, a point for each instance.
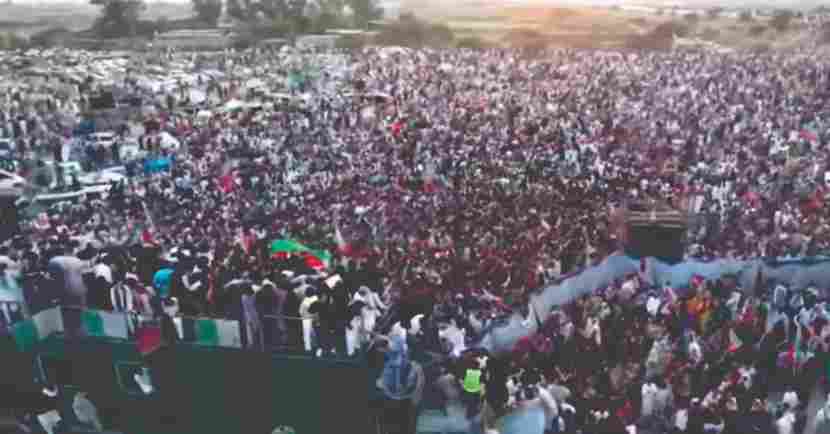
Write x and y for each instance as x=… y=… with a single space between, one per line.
x=29 y=332
x=103 y=324
x=219 y=333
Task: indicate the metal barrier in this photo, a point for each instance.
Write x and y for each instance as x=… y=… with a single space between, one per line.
x=298 y=335
x=271 y=333
x=79 y=322
x=11 y=313
x=209 y=331
x=286 y=333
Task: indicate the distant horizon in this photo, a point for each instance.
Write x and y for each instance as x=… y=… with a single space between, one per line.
x=395 y=5
x=798 y=4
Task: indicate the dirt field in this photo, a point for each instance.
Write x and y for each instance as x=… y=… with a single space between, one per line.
x=522 y=25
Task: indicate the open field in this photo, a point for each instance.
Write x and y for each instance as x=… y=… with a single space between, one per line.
x=502 y=23
x=514 y=23
x=31 y=18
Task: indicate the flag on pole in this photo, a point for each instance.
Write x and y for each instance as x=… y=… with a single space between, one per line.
x=316 y=258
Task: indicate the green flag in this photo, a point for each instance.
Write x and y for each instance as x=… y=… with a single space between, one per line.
x=288 y=246
x=32 y=330
x=217 y=333
x=25 y=335
x=206 y=332
x=101 y=324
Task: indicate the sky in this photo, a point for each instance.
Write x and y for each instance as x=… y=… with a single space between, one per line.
x=794 y=4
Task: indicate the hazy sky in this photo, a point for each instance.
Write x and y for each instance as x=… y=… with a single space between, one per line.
x=796 y=4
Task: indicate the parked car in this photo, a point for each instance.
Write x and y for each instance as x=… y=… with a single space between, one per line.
x=104 y=139
x=6 y=148
x=9 y=180
x=73 y=169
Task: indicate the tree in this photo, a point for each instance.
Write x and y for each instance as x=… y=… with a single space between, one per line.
x=295 y=9
x=364 y=11
x=745 y=16
x=249 y=10
x=208 y=11
x=119 y=18
x=781 y=20
x=329 y=14
x=12 y=41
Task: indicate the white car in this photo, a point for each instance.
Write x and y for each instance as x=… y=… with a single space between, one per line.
x=103 y=139
x=104 y=177
x=11 y=181
x=6 y=148
x=132 y=151
x=73 y=168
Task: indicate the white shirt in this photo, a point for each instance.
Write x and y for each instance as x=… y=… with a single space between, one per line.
x=681 y=419
x=305 y=305
x=102 y=270
x=456 y=339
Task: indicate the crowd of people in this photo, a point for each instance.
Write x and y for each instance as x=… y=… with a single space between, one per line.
x=718 y=358
x=449 y=186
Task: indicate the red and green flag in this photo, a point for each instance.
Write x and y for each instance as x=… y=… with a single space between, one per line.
x=315 y=258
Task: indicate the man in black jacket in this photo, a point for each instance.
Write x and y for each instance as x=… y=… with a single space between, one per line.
x=329 y=318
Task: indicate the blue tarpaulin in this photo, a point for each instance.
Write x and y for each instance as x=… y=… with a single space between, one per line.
x=157 y=165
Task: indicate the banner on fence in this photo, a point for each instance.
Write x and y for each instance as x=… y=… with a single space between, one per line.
x=29 y=332
x=101 y=324
x=209 y=332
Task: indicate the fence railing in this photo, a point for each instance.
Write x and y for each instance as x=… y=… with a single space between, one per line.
x=11 y=313
x=272 y=333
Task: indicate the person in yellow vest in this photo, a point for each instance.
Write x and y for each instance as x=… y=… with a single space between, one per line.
x=471 y=386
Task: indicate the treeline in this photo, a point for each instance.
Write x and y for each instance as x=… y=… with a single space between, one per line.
x=270 y=18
